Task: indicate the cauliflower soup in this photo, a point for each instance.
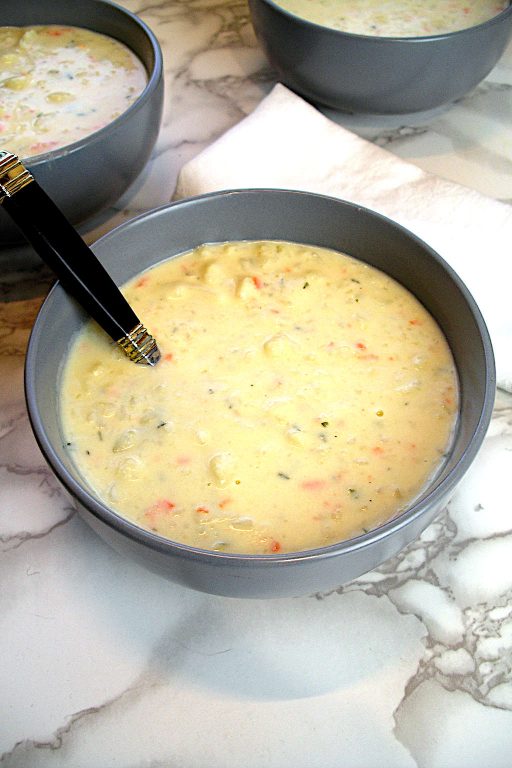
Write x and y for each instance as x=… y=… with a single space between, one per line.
x=58 y=84
x=303 y=397
x=389 y=18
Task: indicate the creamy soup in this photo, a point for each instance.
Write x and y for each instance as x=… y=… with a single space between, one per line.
x=302 y=397
x=406 y=18
x=60 y=84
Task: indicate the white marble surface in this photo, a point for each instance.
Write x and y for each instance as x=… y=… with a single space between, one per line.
x=103 y=664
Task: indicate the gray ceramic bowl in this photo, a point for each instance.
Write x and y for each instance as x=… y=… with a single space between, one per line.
x=278 y=215
x=363 y=74
x=86 y=177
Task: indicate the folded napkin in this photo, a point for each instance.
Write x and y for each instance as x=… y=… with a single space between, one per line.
x=287 y=143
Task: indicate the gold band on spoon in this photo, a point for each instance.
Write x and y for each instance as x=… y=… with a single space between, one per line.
x=140 y=346
x=13 y=175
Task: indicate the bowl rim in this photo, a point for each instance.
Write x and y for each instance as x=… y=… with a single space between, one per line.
x=156 y=542
x=379 y=39
x=154 y=79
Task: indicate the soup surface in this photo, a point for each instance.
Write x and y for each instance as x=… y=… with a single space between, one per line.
x=389 y=18
x=302 y=397
x=60 y=84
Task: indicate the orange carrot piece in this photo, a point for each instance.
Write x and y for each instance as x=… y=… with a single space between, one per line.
x=313 y=485
x=161 y=507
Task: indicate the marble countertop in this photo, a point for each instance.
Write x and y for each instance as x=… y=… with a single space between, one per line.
x=103 y=664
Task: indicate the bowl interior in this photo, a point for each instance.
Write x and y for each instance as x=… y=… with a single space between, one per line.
x=276 y=215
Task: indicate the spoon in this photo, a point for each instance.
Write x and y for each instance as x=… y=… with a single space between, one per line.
x=59 y=245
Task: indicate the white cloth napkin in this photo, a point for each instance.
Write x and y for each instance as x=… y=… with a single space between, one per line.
x=287 y=143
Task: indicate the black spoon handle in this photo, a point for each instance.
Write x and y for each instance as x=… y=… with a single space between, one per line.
x=81 y=274
x=63 y=249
